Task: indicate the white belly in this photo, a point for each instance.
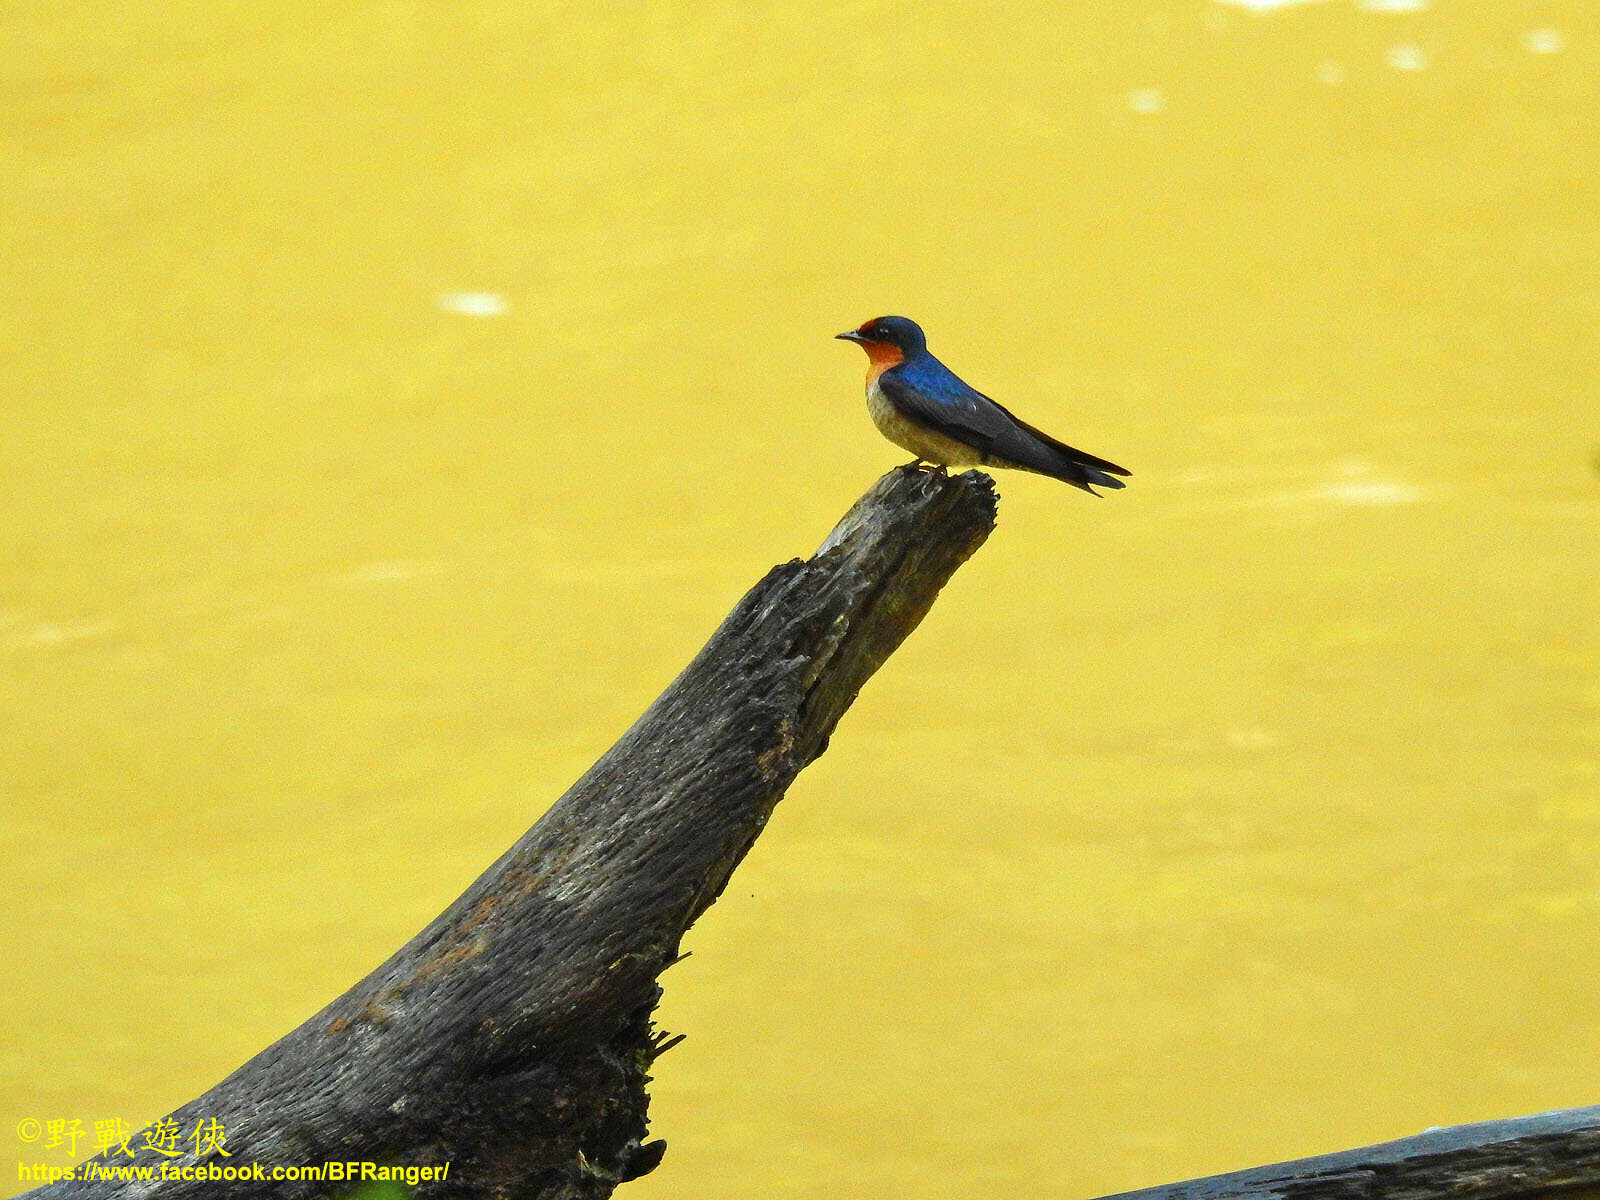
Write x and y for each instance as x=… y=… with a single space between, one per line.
x=925 y=444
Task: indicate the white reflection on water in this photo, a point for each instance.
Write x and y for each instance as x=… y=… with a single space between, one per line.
x=1265 y=5
x=1147 y=100
x=1355 y=482
x=47 y=634
x=1406 y=57
x=474 y=304
x=390 y=571
x=1367 y=491
x=1389 y=6
x=1544 y=41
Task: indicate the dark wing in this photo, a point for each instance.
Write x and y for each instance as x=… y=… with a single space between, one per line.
x=1082 y=457
x=967 y=415
x=955 y=411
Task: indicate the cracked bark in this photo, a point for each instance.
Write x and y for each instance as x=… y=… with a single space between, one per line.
x=512 y=1037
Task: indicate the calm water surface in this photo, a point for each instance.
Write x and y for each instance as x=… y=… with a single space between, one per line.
x=398 y=393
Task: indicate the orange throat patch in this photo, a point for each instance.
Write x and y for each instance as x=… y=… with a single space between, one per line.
x=880 y=357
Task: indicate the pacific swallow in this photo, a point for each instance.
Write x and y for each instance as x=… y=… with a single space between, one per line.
x=919 y=403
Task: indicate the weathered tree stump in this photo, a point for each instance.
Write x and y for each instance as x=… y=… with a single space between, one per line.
x=511 y=1037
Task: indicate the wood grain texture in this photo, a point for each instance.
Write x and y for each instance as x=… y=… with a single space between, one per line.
x=1525 y=1157
x=512 y=1036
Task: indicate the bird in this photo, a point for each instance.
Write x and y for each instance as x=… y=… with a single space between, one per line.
x=919 y=403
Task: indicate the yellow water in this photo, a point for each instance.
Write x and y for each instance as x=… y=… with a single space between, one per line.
x=1249 y=813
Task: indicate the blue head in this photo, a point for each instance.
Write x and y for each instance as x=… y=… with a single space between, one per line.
x=889 y=333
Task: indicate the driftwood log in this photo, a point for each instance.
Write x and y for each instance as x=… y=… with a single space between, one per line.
x=1525 y=1158
x=511 y=1037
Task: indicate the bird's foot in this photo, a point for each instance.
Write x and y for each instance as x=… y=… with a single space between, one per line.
x=927 y=468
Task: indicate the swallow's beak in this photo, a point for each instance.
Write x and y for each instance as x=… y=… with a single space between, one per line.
x=850 y=335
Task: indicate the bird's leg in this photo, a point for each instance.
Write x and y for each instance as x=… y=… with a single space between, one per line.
x=914 y=465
